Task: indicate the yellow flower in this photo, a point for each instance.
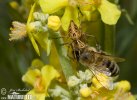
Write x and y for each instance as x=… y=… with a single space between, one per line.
x=14 y=4
x=71 y=13
x=109 y=12
x=36 y=64
x=102 y=81
x=18 y=31
x=41 y=36
x=85 y=92
x=30 y=18
x=54 y=22
x=120 y=92
x=52 y=6
x=124 y=85
x=40 y=80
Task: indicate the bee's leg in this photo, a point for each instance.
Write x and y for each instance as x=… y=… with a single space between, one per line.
x=97 y=43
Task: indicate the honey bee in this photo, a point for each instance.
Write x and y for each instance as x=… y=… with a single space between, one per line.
x=100 y=61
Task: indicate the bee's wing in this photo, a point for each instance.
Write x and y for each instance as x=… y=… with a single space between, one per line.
x=113 y=58
x=117 y=59
x=106 y=82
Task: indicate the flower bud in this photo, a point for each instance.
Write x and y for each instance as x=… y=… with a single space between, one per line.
x=54 y=23
x=125 y=85
x=85 y=92
x=40 y=16
x=14 y=4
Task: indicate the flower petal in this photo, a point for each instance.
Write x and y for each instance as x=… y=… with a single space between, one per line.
x=125 y=85
x=102 y=81
x=42 y=39
x=51 y=6
x=71 y=13
x=54 y=22
x=31 y=76
x=30 y=18
x=109 y=12
x=34 y=43
x=48 y=74
x=85 y=92
x=37 y=63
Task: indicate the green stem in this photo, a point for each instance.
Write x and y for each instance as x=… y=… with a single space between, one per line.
x=62 y=53
x=109 y=40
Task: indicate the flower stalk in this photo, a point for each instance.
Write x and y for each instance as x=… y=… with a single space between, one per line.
x=62 y=53
x=109 y=39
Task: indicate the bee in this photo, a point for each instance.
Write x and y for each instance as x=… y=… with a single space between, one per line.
x=100 y=61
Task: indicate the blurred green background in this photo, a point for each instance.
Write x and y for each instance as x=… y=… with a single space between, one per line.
x=15 y=57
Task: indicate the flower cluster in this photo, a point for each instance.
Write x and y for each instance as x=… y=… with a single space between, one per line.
x=40 y=76
x=38 y=23
x=83 y=86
